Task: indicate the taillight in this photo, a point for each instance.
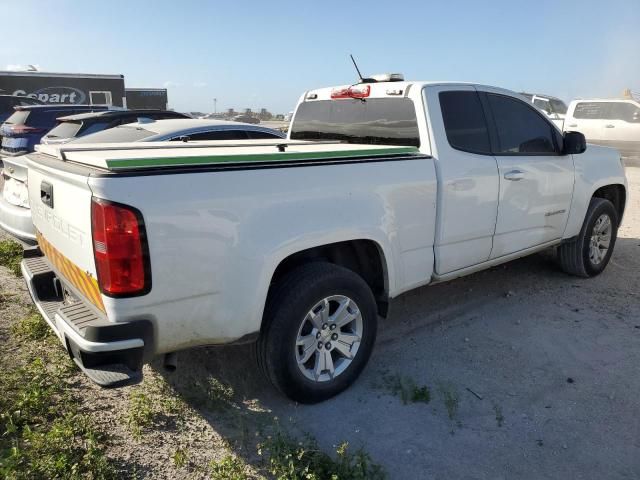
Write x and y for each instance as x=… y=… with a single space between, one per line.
x=354 y=91
x=25 y=130
x=120 y=249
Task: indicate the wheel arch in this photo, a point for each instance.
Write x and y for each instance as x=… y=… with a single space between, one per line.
x=609 y=189
x=364 y=256
x=616 y=194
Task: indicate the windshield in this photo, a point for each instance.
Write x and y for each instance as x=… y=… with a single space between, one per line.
x=376 y=121
x=64 y=130
x=116 y=135
x=558 y=106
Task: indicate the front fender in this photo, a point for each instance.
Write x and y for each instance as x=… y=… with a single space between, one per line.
x=597 y=167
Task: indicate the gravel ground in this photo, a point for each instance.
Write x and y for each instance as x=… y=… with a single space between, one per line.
x=532 y=374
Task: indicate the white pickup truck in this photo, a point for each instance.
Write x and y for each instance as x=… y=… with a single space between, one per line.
x=299 y=244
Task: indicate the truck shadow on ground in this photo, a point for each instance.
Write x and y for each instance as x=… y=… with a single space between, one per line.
x=225 y=386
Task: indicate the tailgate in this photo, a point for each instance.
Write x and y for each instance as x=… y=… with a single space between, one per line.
x=61 y=210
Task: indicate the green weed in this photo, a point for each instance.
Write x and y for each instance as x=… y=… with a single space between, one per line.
x=288 y=459
x=451 y=399
x=229 y=468
x=180 y=457
x=141 y=413
x=407 y=389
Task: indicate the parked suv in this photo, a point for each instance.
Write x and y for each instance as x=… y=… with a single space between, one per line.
x=75 y=126
x=26 y=126
x=614 y=123
x=9 y=102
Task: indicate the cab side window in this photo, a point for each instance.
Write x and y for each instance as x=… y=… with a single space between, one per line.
x=464 y=122
x=520 y=128
x=591 y=110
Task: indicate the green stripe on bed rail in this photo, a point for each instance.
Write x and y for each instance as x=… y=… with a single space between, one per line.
x=258 y=157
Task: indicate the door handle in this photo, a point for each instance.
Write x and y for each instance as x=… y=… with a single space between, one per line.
x=609 y=126
x=573 y=125
x=514 y=175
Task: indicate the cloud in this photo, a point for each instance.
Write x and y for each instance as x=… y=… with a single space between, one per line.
x=22 y=68
x=170 y=84
x=199 y=84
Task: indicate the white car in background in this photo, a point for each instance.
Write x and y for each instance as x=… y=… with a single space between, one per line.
x=183 y=129
x=609 y=122
x=553 y=107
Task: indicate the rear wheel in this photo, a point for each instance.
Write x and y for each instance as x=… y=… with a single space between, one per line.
x=589 y=253
x=320 y=327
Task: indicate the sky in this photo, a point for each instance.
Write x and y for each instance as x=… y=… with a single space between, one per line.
x=265 y=54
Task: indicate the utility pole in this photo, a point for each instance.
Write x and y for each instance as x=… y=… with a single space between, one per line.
x=215 y=105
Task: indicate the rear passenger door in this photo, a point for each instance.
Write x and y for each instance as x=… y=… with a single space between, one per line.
x=536 y=179
x=623 y=123
x=468 y=182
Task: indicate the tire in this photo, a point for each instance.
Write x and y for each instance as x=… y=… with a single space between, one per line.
x=308 y=304
x=577 y=257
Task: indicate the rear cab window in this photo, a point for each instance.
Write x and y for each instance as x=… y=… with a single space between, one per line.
x=374 y=121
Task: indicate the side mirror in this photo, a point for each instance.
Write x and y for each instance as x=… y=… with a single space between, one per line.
x=574 y=143
x=636 y=117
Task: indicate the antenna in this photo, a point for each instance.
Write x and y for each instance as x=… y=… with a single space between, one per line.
x=357 y=69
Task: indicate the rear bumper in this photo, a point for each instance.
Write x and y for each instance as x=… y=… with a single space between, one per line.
x=17 y=221
x=111 y=354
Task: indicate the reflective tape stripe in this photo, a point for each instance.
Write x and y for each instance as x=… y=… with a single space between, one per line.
x=86 y=284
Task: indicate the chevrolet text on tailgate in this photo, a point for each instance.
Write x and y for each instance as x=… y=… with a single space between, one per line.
x=298 y=245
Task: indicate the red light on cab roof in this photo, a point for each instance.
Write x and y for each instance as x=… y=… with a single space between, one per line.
x=354 y=91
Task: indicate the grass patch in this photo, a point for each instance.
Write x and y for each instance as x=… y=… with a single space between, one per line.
x=31 y=327
x=11 y=256
x=230 y=467
x=153 y=404
x=180 y=457
x=141 y=413
x=42 y=432
x=406 y=389
x=288 y=459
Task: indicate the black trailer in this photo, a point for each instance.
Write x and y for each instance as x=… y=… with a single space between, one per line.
x=65 y=88
x=147 y=98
